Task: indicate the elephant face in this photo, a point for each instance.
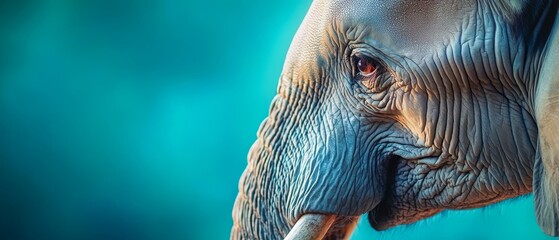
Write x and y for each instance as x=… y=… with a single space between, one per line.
x=399 y=109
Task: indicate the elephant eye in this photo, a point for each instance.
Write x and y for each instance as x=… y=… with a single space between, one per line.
x=365 y=66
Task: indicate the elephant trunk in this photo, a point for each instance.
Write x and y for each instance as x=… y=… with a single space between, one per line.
x=303 y=164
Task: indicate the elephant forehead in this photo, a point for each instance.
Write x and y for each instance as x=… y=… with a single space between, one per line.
x=411 y=28
x=408 y=27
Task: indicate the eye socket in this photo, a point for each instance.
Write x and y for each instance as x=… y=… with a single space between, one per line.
x=365 y=66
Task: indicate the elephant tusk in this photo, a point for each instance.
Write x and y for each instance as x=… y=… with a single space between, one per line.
x=311 y=227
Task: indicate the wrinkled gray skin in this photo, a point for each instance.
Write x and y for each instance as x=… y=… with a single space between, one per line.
x=462 y=113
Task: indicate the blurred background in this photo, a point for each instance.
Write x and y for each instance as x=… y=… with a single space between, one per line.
x=133 y=119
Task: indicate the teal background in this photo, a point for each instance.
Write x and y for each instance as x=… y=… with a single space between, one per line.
x=133 y=119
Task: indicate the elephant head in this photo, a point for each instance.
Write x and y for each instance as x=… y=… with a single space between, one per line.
x=402 y=109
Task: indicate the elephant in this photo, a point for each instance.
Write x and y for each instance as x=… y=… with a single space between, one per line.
x=402 y=109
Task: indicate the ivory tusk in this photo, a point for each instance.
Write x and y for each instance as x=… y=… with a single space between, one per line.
x=311 y=227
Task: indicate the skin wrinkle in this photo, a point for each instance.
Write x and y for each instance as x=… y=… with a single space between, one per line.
x=453 y=146
x=517 y=142
x=470 y=126
x=476 y=107
x=515 y=184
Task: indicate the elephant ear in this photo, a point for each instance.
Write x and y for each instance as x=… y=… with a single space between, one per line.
x=546 y=167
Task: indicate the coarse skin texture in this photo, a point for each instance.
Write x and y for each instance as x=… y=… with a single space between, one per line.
x=448 y=120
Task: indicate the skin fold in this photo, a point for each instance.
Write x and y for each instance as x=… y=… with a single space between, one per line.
x=451 y=117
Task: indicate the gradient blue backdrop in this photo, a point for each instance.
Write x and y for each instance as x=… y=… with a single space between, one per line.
x=132 y=120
